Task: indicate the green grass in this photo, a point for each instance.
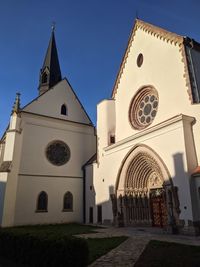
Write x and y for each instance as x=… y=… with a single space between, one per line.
x=101 y=246
x=54 y=230
x=166 y=254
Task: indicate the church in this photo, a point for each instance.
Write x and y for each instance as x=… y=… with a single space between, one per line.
x=138 y=167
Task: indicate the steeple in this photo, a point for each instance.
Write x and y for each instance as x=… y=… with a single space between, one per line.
x=50 y=73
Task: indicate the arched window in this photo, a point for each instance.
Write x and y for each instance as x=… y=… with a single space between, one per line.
x=42 y=201
x=68 y=202
x=63 y=109
x=44 y=77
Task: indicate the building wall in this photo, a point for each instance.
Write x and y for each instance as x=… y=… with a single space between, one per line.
x=28 y=190
x=37 y=174
x=27 y=139
x=173 y=155
x=176 y=142
x=38 y=132
x=162 y=68
x=50 y=103
x=90 y=193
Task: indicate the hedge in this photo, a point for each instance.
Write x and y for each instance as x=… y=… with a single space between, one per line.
x=44 y=251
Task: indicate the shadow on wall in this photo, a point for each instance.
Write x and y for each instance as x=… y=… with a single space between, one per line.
x=153 y=205
x=2 y=193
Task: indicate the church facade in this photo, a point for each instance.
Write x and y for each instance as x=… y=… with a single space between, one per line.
x=42 y=153
x=140 y=166
x=148 y=145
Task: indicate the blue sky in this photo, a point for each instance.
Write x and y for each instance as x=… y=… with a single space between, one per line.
x=91 y=38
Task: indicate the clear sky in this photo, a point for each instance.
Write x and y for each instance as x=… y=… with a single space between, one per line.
x=91 y=38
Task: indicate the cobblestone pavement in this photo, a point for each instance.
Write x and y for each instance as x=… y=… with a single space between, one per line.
x=128 y=252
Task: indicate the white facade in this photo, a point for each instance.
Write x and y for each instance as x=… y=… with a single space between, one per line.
x=171 y=140
x=146 y=169
x=29 y=134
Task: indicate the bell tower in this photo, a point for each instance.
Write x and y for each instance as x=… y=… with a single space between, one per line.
x=50 y=73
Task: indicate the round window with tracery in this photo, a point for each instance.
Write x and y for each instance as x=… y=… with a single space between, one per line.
x=58 y=153
x=143 y=108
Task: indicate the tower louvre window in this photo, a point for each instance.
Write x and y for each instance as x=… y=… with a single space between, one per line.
x=44 y=77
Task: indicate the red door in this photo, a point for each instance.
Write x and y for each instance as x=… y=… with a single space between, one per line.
x=158 y=209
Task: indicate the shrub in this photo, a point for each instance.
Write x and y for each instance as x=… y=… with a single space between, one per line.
x=44 y=251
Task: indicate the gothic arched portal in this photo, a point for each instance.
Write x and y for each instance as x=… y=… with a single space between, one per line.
x=142 y=190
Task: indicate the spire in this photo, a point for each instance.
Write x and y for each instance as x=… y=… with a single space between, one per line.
x=16 y=106
x=50 y=73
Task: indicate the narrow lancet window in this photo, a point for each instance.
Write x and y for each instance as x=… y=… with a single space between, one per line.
x=68 y=202
x=63 y=109
x=42 y=202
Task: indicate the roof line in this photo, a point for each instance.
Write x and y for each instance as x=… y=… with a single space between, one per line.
x=37 y=97
x=72 y=91
x=78 y=100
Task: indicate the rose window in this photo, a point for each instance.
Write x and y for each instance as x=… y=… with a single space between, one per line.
x=143 y=108
x=58 y=153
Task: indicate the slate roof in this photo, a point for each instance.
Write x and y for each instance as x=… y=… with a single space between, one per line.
x=51 y=62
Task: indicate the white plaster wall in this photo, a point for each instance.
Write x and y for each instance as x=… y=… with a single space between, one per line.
x=105 y=124
x=30 y=186
x=90 y=192
x=162 y=68
x=50 y=103
x=36 y=173
x=39 y=132
x=12 y=153
x=173 y=154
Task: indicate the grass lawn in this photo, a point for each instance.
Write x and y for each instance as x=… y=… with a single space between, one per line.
x=53 y=230
x=166 y=254
x=101 y=246
x=97 y=246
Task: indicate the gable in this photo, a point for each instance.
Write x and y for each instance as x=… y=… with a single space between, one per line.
x=51 y=102
x=152 y=30
x=163 y=69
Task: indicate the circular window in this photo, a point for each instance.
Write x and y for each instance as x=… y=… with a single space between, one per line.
x=140 y=60
x=58 y=153
x=143 y=108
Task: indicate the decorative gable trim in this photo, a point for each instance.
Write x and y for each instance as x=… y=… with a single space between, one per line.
x=160 y=33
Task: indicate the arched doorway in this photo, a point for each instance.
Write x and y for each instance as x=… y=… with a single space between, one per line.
x=144 y=190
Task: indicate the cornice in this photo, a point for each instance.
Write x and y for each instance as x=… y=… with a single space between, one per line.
x=152 y=129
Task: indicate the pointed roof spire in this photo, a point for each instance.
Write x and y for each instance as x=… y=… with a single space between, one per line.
x=16 y=106
x=50 y=73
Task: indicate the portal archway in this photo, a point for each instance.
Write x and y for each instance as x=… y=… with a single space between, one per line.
x=143 y=189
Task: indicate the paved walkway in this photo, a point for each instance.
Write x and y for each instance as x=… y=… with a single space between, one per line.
x=127 y=253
